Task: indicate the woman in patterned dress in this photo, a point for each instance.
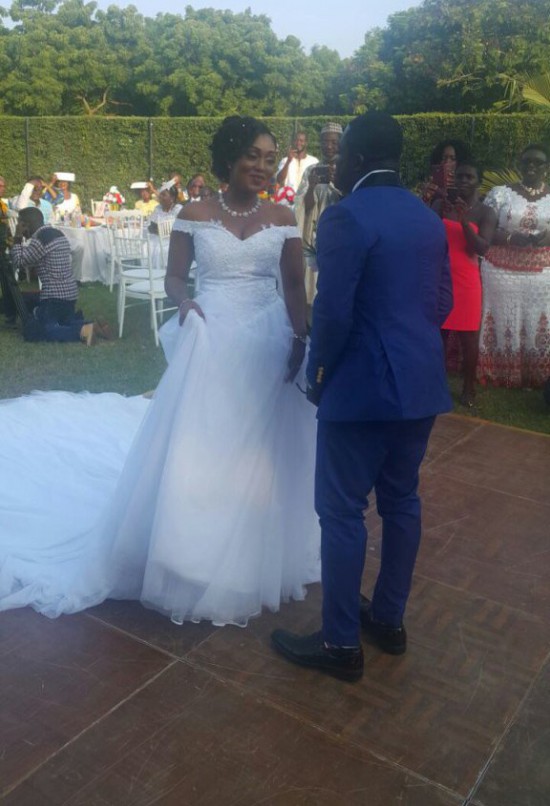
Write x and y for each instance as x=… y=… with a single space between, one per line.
x=515 y=333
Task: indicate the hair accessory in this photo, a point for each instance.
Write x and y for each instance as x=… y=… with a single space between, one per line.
x=167 y=185
x=238 y=214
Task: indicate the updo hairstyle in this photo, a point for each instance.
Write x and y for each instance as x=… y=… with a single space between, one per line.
x=233 y=138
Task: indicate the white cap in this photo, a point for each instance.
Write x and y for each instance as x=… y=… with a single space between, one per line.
x=167 y=185
x=114 y=189
x=64 y=176
x=139 y=186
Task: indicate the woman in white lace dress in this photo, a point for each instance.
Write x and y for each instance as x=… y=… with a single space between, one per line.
x=515 y=331
x=212 y=517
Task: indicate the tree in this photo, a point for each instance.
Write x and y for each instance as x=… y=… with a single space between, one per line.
x=449 y=55
x=70 y=58
x=526 y=92
x=217 y=63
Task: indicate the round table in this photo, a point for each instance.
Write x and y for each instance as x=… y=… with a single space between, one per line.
x=90 y=252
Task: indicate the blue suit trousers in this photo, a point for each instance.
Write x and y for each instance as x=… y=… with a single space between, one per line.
x=353 y=458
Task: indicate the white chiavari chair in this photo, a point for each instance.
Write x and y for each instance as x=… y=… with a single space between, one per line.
x=164 y=232
x=127 y=224
x=149 y=289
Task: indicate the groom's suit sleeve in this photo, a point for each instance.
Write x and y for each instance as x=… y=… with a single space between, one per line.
x=342 y=249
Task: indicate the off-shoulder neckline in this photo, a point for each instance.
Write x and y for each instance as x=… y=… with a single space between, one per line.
x=185 y=224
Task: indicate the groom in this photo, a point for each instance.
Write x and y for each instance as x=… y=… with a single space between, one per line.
x=377 y=373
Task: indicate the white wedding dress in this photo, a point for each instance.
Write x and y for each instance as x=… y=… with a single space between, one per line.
x=198 y=502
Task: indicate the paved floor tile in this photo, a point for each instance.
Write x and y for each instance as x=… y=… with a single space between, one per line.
x=438 y=710
x=190 y=740
x=152 y=627
x=519 y=775
x=56 y=678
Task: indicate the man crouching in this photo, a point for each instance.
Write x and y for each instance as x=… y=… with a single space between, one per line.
x=48 y=251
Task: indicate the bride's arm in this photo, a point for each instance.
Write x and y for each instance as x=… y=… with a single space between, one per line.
x=180 y=258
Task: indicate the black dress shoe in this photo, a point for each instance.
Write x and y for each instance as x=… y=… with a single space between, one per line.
x=311 y=651
x=392 y=640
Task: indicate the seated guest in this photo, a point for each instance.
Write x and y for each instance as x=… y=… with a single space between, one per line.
x=182 y=193
x=31 y=196
x=167 y=208
x=176 y=177
x=147 y=200
x=48 y=251
x=315 y=194
x=59 y=193
x=194 y=186
x=207 y=192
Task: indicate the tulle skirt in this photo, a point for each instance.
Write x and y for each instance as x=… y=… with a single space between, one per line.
x=198 y=502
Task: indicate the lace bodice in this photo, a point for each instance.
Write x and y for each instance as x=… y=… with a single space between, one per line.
x=517 y=213
x=245 y=269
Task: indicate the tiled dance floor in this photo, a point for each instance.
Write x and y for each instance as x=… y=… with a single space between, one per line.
x=119 y=707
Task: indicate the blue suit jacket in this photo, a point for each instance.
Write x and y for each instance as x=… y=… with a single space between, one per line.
x=383 y=291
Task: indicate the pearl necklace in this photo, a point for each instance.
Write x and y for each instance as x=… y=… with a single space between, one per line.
x=235 y=213
x=533 y=192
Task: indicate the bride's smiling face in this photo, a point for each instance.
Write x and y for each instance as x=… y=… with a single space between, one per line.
x=253 y=170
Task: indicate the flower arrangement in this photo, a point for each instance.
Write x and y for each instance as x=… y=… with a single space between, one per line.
x=114 y=198
x=285 y=195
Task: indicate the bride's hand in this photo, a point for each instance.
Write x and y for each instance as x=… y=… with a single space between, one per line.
x=295 y=359
x=189 y=305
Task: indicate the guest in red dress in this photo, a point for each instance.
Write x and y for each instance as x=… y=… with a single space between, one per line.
x=470 y=227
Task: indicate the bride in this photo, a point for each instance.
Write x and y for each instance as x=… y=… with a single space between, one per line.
x=200 y=502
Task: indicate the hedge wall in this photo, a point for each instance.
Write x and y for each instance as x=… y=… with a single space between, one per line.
x=117 y=151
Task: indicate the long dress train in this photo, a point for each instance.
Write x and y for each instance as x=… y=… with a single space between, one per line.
x=209 y=514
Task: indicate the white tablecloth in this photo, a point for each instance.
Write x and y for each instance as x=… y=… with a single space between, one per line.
x=89 y=249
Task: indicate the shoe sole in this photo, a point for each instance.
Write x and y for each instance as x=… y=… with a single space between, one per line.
x=350 y=676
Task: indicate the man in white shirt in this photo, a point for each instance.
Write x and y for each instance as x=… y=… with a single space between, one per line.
x=291 y=168
x=315 y=194
x=31 y=196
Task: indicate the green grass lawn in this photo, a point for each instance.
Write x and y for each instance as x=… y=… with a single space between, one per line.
x=520 y=408
x=130 y=365
x=133 y=365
